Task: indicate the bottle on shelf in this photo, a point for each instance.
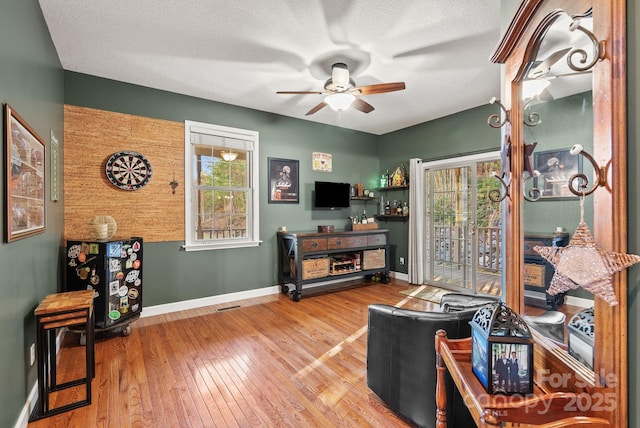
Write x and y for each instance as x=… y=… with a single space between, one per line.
x=388 y=179
x=399 y=209
x=405 y=209
x=381 y=204
x=363 y=219
x=387 y=208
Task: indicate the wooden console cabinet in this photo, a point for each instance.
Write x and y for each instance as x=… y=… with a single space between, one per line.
x=307 y=257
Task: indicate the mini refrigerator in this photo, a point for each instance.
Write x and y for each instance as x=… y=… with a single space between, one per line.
x=113 y=269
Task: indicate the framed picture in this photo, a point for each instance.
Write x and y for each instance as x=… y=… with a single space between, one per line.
x=321 y=161
x=555 y=168
x=283 y=181
x=24 y=179
x=510 y=371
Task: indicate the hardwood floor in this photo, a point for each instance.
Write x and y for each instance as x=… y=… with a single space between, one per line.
x=258 y=362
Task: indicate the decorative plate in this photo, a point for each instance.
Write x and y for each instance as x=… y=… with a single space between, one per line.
x=128 y=170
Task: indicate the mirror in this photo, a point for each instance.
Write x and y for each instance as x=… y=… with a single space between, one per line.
x=558 y=113
x=527 y=39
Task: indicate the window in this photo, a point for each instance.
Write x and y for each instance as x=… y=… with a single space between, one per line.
x=221 y=194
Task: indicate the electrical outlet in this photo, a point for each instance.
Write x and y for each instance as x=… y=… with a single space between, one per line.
x=32 y=354
x=402 y=261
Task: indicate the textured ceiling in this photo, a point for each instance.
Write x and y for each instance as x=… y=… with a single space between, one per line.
x=242 y=52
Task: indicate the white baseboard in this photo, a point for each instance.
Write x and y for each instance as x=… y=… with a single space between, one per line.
x=401 y=276
x=568 y=300
x=167 y=308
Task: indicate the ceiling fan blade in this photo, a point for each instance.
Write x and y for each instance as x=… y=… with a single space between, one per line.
x=545 y=95
x=380 y=88
x=576 y=73
x=362 y=105
x=299 y=92
x=543 y=67
x=316 y=108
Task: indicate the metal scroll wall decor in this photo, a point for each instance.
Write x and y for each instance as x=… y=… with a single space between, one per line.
x=578 y=183
x=496 y=121
x=577 y=60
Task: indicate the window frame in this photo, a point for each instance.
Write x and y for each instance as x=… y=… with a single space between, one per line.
x=253 y=199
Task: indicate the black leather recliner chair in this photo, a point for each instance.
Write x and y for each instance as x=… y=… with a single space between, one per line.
x=401 y=357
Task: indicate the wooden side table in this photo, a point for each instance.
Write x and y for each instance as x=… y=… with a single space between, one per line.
x=73 y=308
x=541 y=409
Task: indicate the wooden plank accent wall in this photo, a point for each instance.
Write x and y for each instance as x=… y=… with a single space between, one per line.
x=153 y=212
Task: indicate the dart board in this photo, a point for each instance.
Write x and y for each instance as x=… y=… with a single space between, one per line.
x=128 y=170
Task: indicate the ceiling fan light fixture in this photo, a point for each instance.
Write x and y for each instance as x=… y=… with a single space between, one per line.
x=339 y=102
x=229 y=156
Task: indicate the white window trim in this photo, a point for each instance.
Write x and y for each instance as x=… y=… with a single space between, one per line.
x=253 y=238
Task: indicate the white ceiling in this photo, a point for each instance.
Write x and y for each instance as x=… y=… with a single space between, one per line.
x=242 y=51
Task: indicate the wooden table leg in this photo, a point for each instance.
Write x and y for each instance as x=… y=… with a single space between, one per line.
x=441 y=391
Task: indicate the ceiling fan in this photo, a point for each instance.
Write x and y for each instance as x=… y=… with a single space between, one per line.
x=542 y=68
x=341 y=91
x=539 y=75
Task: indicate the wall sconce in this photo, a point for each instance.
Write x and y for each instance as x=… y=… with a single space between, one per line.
x=579 y=182
x=229 y=156
x=495 y=121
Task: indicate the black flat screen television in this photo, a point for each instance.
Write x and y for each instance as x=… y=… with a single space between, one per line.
x=332 y=195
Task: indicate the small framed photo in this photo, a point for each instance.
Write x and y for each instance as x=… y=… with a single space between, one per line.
x=321 y=161
x=25 y=178
x=556 y=168
x=511 y=368
x=283 y=181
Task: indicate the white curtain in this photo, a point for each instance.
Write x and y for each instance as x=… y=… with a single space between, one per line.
x=416 y=222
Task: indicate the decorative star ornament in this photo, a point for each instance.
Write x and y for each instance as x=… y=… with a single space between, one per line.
x=583 y=263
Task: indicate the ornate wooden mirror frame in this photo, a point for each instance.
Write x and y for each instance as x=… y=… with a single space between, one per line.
x=606 y=385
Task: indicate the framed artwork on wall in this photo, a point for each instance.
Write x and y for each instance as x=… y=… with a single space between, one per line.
x=25 y=178
x=556 y=168
x=283 y=181
x=321 y=162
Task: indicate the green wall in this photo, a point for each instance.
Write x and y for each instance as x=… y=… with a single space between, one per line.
x=459 y=134
x=31 y=82
x=173 y=275
x=544 y=215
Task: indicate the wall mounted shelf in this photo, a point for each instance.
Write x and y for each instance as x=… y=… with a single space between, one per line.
x=384 y=189
x=392 y=217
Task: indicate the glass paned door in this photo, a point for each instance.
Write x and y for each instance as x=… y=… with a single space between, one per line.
x=463 y=227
